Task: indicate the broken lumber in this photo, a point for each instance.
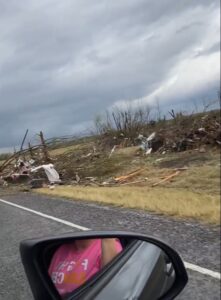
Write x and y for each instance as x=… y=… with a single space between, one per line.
x=134 y=182
x=166 y=178
x=44 y=147
x=23 y=141
x=128 y=176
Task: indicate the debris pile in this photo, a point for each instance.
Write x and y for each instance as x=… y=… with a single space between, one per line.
x=32 y=166
x=187 y=136
x=96 y=164
x=181 y=133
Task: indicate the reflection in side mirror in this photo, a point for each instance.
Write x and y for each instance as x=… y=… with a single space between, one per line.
x=102 y=265
x=74 y=263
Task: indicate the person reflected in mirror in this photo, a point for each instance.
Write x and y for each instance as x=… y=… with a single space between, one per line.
x=74 y=263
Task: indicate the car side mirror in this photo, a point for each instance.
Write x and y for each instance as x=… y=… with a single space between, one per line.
x=102 y=265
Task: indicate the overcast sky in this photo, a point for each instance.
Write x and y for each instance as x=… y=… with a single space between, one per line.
x=63 y=62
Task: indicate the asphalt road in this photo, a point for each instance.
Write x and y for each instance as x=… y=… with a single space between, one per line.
x=197 y=243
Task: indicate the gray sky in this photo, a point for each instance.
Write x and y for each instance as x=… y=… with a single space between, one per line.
x=63 y=62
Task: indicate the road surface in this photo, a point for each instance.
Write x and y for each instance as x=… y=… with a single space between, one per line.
x=198 y=244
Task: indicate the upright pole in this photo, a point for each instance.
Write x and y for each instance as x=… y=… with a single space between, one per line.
x=44 y=147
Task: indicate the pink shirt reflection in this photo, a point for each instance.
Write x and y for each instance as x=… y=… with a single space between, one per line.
x=70 y=266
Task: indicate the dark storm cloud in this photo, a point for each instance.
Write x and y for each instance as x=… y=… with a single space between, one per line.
x=62 y=62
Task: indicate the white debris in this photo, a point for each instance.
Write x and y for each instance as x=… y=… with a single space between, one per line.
x=140 y=137
x=146 y=144
x=151 y=137
x=31 y=161
x=159 y=159
x=112 y=150
x=77 y=178
x=148 y=151
x=87 y=155
x=50 y=171
x=105 y=183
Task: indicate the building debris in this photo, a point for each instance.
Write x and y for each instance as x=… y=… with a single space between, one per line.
x=94 y=163
x=181 y=169
x=112 y=151
x=123 y=178
x=149 y=151
x=151 y=137
x=44 y=147
x=20 y=174
x=167 y=178
x=77 y=178
x=37 y=183
x=158 y=159
x=50 y=171
x=23 y=141
x=134 y=182
x=87 y=155
x=150 y=144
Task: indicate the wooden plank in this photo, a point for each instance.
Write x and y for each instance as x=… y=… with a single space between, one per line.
x=166 y=178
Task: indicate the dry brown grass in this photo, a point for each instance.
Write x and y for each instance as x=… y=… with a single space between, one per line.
x=174 y=202
x=194 y=193
x=201 y=179
x=63 y=150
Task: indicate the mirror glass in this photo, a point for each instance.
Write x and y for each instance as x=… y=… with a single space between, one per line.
x=72 y=264
x=141 y=266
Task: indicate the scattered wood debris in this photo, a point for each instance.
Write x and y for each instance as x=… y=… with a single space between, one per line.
x=134 y=182
x=167 y=178
x=123 y=178
x=98 y=162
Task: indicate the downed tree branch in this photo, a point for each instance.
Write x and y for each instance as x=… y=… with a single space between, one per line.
x=14 y=157
x=17 y=155
x=166 y=178
x=8 y=161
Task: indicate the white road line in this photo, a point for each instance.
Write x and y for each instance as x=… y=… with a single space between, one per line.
x=45 y=216
x=189 y=266
x=202 y=270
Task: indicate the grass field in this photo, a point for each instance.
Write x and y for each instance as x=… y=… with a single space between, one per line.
x=194 y=193
x=173 y=202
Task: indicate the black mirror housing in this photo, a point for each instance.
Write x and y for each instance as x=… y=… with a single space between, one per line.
x=34 y=251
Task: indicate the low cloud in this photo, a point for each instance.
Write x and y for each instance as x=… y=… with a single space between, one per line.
x=63 y=62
